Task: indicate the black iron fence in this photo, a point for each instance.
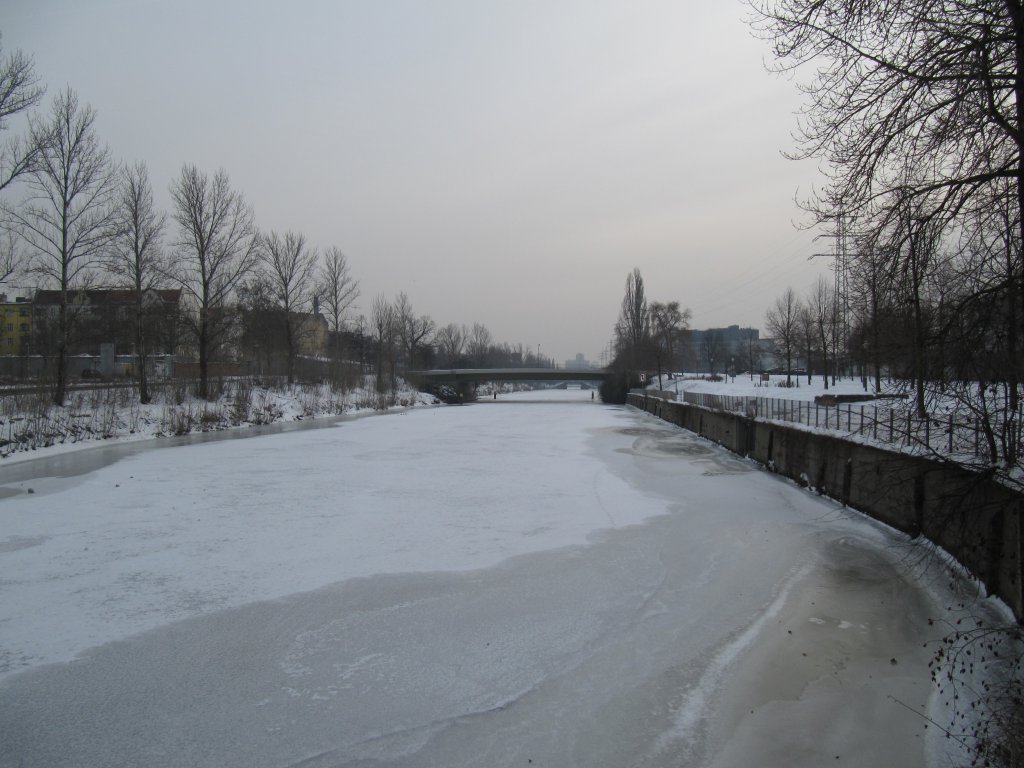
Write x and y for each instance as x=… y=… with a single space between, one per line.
x=951 y=434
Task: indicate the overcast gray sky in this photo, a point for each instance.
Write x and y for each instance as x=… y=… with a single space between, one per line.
x=501 y=162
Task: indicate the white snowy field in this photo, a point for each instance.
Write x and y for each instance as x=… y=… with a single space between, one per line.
x=745 y=385
x=551 y=582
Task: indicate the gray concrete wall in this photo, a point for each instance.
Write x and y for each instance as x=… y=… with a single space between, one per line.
x=974 y=519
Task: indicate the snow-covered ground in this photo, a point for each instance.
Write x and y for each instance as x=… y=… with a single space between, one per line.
x=538 y=579
x=745 y=386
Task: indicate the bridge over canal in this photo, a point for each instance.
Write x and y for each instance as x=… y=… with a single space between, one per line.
x=457 y=376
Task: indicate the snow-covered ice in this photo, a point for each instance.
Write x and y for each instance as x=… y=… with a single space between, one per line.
x=559 y=582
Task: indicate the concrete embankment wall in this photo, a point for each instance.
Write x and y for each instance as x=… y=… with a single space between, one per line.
x=974 y=519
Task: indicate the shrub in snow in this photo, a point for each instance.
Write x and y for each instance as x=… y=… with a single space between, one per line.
x=978 y=671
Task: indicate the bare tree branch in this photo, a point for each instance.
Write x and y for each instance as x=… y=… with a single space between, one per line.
x=137 y=256
x=337 y=289
x=216 y=247
x=290 y=266
x=19 y=91
x=68 y=218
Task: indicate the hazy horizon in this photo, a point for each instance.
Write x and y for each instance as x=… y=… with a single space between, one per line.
x=501 y=163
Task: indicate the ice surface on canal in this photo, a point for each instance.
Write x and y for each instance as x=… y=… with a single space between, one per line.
x=168 y=534
x=496 y=584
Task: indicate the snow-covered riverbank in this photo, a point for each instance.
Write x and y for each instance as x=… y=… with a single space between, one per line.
x=31 y=426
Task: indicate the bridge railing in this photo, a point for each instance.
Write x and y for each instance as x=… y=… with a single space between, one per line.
x=450 y=375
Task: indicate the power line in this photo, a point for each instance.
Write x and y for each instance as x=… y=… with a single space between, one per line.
x=733 y=293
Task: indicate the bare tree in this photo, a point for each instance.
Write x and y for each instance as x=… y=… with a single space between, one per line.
x=914 y=238
x=417 y=332
x=19 y=91
x=9 y=261
x=137 y=255
x=633 y=328
x=382 y=325
x=753 y=352
x=713 y=351
x=290 y=266
x=822 y=309
x=668 y=322
x=478 y=343
x=806 y=337
x=922 y=252
x=362 y=341
x=921 y=84
x=781 y=322
x=917 y=109
x=68 y=218
x=216 y=247
x=413 y=331
x=337 y=289
x=261 y=337
x=451 y=340
x=871 y=284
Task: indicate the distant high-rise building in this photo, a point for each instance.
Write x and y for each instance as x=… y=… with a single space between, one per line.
x=723 y=350
x=732 y=337
x=578 y=363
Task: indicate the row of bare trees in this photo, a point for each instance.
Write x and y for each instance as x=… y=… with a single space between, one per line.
x=402 y=339
x=647 y=335
x=916 y=108
x=808 y=329
x=73 y=217
x=82 y=218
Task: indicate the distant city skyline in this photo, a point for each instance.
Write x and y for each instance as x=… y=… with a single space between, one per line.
x=507 y=164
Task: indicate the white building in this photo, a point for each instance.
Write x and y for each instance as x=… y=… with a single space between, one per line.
x=578 y=363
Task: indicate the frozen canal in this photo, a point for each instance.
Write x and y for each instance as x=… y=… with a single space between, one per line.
x=504 y=584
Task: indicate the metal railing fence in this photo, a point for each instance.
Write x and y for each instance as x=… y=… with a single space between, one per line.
x=951 y=434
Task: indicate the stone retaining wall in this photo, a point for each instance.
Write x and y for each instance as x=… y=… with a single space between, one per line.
x=974 y=519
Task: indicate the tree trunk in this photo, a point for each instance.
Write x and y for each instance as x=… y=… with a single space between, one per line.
x=140 y=348
x=380 y=367
x=876 y=352
x=204 y=361
x=920 y=354
x=824 y=356
x=1013 y=332
x=289 y=332
x=61 y=380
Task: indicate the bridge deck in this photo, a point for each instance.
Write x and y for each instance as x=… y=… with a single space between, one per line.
x=457 y=375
